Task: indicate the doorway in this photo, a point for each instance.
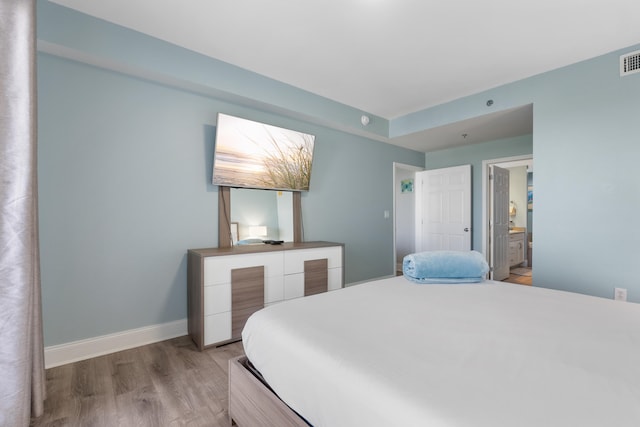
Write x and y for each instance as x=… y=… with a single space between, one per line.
x=520 y=214
x=404 y=208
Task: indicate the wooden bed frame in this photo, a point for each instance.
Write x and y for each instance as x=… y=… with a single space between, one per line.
x=253 y=404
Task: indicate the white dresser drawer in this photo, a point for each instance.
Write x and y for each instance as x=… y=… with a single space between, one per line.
x=293 y=286
x=217 y=299
x=334 y=278
x=217 y=269
x=294 y=260
x=273 y=289
x=217 y=327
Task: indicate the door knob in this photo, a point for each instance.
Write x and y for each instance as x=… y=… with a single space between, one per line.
x=466 y=229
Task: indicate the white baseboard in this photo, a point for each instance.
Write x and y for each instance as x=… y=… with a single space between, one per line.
x=62 y=354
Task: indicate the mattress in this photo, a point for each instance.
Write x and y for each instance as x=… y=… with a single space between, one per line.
x=395 y=353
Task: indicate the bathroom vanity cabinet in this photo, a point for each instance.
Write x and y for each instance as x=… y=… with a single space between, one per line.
x=516 y=247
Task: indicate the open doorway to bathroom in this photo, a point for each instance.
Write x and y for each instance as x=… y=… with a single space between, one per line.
x=520 y=214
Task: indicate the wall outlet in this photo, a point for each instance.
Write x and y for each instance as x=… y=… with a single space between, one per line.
x=619 y=294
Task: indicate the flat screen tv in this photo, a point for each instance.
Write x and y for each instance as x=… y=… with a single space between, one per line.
x=250 y=154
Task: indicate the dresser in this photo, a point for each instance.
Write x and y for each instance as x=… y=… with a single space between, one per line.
x=227 y=285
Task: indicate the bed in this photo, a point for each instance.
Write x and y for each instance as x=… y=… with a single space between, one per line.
x=395 y=353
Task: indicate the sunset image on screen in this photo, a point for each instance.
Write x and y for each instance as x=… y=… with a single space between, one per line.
x=257 y=155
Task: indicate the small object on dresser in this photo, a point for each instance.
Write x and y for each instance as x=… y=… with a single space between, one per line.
x=273 y=242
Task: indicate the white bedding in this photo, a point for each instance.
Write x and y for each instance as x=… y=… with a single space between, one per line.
x=394 y=353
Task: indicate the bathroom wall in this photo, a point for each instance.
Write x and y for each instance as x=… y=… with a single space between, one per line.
x=518 y=194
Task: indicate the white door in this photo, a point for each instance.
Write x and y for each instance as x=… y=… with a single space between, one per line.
x=443 y=209
x=499 y=223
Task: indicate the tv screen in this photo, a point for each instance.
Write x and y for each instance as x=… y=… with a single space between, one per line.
x=250 y=154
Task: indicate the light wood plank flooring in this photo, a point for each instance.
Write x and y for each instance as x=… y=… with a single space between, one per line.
x=519 y=279
x=168 y=383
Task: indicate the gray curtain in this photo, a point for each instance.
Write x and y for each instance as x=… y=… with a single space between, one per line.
x=22 y=381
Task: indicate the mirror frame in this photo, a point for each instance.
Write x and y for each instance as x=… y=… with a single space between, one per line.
x=224 y=217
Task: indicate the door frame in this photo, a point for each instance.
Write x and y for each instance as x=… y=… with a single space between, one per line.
x=410 y=168
x=503 y=162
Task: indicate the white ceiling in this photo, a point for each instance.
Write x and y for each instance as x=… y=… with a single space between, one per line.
x=385 y=57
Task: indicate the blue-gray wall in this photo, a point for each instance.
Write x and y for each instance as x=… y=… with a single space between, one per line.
x=474 y=155
x=585 y=151
x=126 y=131
x=125 y=167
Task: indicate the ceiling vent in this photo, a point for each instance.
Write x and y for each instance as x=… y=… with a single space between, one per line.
x=630 y=63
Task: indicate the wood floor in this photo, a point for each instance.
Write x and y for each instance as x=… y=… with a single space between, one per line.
x=519 y=279
x=168 y=383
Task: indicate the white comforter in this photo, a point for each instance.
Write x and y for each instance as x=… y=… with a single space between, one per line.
x=394 y=353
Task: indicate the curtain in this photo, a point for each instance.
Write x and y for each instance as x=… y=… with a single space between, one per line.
x=22 y=381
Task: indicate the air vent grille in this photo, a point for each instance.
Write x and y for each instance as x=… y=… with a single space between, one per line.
x=630 y=63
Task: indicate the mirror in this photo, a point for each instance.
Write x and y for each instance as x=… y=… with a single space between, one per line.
x=262 y=214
